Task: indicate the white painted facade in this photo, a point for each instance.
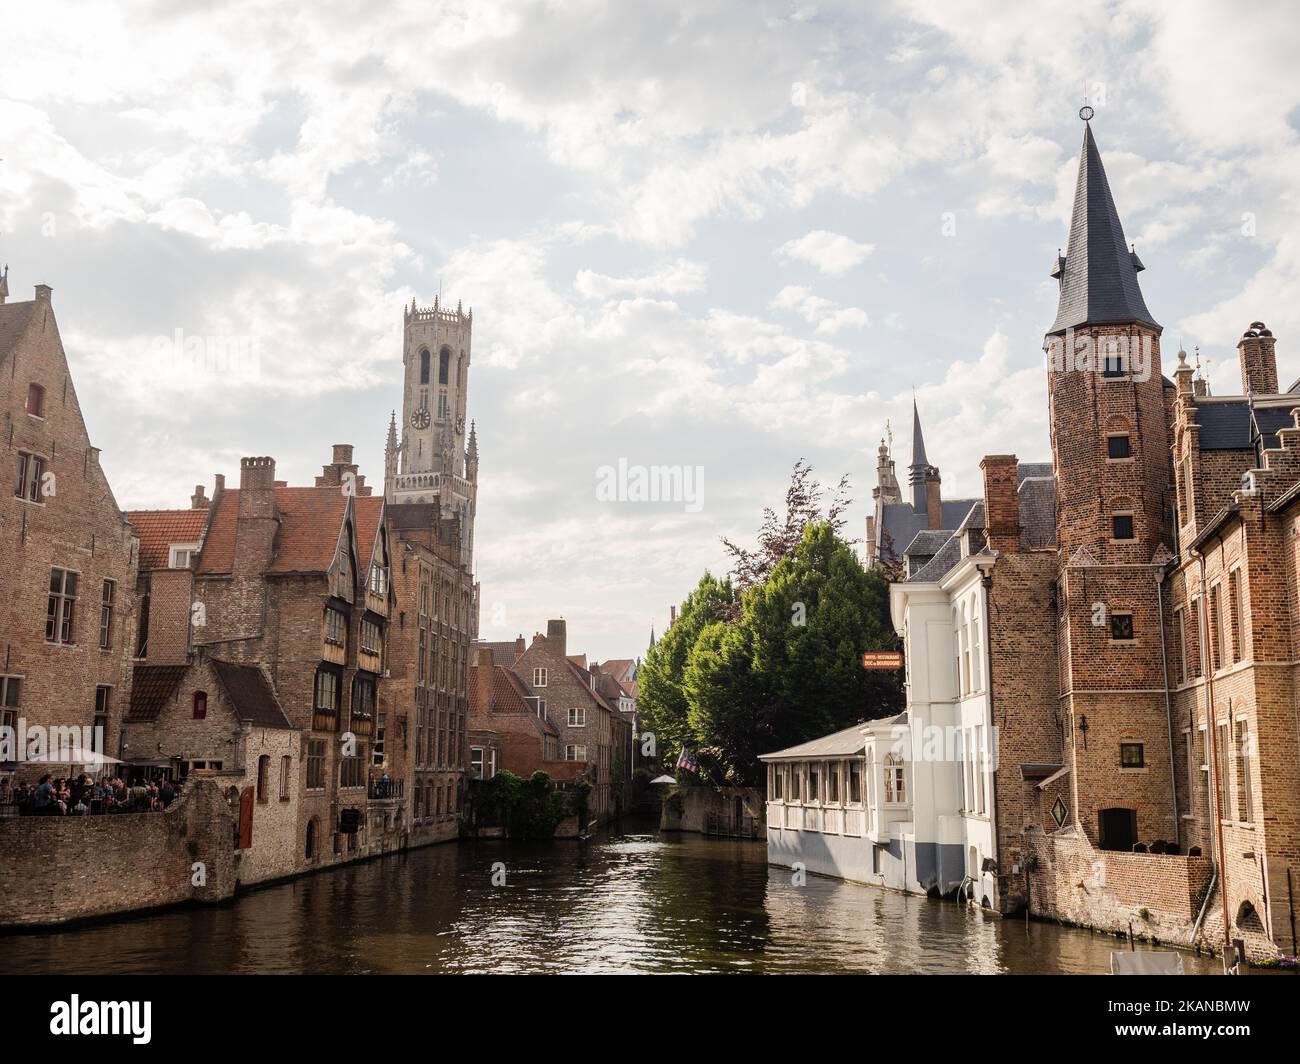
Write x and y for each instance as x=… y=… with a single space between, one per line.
x=922 y=819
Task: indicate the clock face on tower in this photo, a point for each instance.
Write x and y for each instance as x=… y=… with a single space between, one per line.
x=420 y=419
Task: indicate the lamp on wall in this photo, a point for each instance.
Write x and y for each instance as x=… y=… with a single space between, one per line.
x=1083 y=727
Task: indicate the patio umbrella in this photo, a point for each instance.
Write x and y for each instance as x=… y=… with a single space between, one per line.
x=665 y=778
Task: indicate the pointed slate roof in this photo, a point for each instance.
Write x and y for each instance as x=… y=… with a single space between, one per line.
x=1098 y=273
x=918 y=441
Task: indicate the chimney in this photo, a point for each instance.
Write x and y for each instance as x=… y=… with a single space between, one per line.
x=198 y=501
x=343 y=454
x=1001 y=502
x=557 y=636
x=521 y=644
x=1258 y=360
x=933 y=500
x=480 y=684
x=43 y=292
x=255 y=535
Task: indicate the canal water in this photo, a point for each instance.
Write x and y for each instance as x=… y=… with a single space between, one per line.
x=628 y=901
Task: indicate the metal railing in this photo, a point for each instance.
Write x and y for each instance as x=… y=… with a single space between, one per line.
x=385 y=789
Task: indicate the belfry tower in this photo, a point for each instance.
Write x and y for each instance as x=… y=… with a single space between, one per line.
x=431 y=463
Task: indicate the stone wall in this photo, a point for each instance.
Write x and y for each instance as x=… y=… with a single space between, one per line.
x=1158 y=895
x=687 y=808
x=59 y=869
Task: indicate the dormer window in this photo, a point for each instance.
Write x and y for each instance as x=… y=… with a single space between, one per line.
x=181 y=555
x=35 y=400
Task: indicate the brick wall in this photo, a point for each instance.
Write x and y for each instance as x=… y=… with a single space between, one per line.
x=59 y=869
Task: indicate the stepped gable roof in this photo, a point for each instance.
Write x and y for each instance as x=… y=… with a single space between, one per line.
x=249 y=689
x=157 y=530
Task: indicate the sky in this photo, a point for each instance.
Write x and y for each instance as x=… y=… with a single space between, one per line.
x=710 y=237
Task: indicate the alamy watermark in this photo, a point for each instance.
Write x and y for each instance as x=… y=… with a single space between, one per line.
x=1126 y=356
x=56 y=743
x=659 y=483
x=232 y=357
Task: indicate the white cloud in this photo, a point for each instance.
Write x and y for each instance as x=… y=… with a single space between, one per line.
x=831 y=253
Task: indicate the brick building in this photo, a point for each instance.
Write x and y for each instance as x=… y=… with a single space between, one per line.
x=431 y=492
x=67 y=582
x=581 y=733
x=1122 y=625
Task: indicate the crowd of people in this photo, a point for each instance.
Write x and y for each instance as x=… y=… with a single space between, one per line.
x=84 y=796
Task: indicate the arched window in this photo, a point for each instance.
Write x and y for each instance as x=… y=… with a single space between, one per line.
x=311 y=839
x=977 y=654
x=965 y=652
x=444 y=361
x=263 y=766
x=424 y=366
x=285 y=761
x=895 y=783
x=956 y=653
x=200 y=705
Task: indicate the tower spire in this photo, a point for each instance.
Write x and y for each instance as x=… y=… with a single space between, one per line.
x=920 y=467
x=1098 y=272
x=4 y=284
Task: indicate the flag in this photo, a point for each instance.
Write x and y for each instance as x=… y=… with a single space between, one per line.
x=688 y=762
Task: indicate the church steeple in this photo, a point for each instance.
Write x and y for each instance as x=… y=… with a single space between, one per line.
x=4 y=284
x=1098 y=272
x=920 y=467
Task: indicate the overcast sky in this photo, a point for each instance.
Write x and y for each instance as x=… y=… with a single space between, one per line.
x=724 y=237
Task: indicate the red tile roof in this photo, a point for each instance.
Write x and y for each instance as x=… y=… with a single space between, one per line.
x=508 y=695
x=159 y=529
x=311 y=520
x=369 y=511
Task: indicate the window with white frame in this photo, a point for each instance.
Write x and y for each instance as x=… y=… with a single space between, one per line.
x=476 y=762
x=895 y=781
x=976 y=645
x=855 y=781
x=539 y=677
x=61 y=607
x=575 y=752
x=577 y=716
x=980 y=766
x=181 y=555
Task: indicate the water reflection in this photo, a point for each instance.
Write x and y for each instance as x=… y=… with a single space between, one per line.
x=630 y=902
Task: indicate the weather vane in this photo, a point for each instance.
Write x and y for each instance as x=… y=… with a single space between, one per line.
x=1086 y=112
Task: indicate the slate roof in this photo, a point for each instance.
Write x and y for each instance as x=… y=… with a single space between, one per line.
x=159 y=529
x=405 y=515
x=928 y=541
x=947 y=557
x=250 y=692
x=1098 y=275
x=368 y=512
x=900 y=522
x=844 y=743
x=152 y=687
x=1268 y=419
x=585 y=678
x=1038 y=511
x=13 y=323
x=1225 y=426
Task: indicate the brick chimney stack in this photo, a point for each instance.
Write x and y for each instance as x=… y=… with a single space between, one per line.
x=255 y=534
x=521 y=644
x=341 y=471
x=1258 y=360
x=1001 y=502
x=198 y=501
x=933 y=499
x=557 y=636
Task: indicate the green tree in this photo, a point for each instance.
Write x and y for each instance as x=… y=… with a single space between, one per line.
x=661 y=696
x=789 y=669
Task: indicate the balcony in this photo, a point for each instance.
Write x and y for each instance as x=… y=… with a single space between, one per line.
x=324 y=719
x=386 y=790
